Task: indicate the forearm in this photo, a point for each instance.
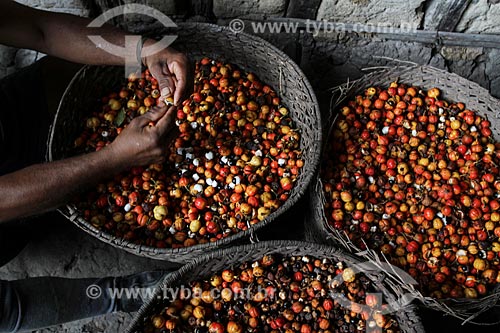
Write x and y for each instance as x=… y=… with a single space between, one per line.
x=43 y=187
x=62 y=30
x=61 y=35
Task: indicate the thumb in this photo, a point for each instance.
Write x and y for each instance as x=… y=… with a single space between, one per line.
x=165 y=80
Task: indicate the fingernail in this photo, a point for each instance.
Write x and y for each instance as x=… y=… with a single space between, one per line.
x=166 y=92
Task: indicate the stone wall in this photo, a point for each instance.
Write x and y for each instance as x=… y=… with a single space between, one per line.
x=329 y=58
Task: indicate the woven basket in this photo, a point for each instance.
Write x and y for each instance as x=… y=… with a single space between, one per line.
x=209 y=264
x=453 y=88
x=197 y=40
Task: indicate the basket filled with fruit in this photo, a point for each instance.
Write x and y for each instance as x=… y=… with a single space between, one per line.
x=246 y=148
x=276 y=286
x=415 y=181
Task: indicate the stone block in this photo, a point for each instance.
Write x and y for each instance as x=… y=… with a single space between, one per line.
x=493 y=63
x=480 y=17
x=495 y=87
x=25 y=58
x=7 y=55
x=249 y=9
x=461 y=53
x=392 y=13
x=306 y=9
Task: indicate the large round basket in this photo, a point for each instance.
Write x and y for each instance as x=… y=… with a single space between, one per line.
x=217 y=261
x=454 y=89
x=197 y=40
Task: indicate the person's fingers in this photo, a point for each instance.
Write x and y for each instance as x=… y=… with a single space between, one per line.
x=167 y=121
x=179 y=91
x=155 y=113
x=165 y=80
x=180 y=70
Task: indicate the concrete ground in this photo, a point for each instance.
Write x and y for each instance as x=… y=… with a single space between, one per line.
x=64 y=250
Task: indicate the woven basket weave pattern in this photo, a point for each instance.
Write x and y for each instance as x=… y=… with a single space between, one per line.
x=248 y=52
x=217 y=261
x=455 y=89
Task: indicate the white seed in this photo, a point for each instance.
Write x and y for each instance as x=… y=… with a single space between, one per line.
x=198 y=188
x=196 y=162
x=385 y=130
x=209 y=181
x=194 y=125
x=237 y=180
x=473 y=129
x=209 y=155
x=258 y=153
x=127 y=207
x=105 y=133
x=189 y=156
x=196 y=177
x=224 y=159
x=281 y=161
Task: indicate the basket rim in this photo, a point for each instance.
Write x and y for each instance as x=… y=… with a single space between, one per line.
x=335 y=237
x=161 y=253
x=272 y=246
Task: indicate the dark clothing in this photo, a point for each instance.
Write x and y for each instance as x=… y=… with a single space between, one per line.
x=10 y=308
x=24 y=119
x=36 y=303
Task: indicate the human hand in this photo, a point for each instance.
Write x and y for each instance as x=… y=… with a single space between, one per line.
x=145 y=140
x=170 y=68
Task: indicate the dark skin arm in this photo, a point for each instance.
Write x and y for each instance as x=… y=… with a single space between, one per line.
x=43 y=187
x=51 y=33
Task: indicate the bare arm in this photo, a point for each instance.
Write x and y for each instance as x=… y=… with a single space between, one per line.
x=65 y=36
x=43 y=187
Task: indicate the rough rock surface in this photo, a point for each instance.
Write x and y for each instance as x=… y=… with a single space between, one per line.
x=482 y=16
x=249 y=9
x=393 y=13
